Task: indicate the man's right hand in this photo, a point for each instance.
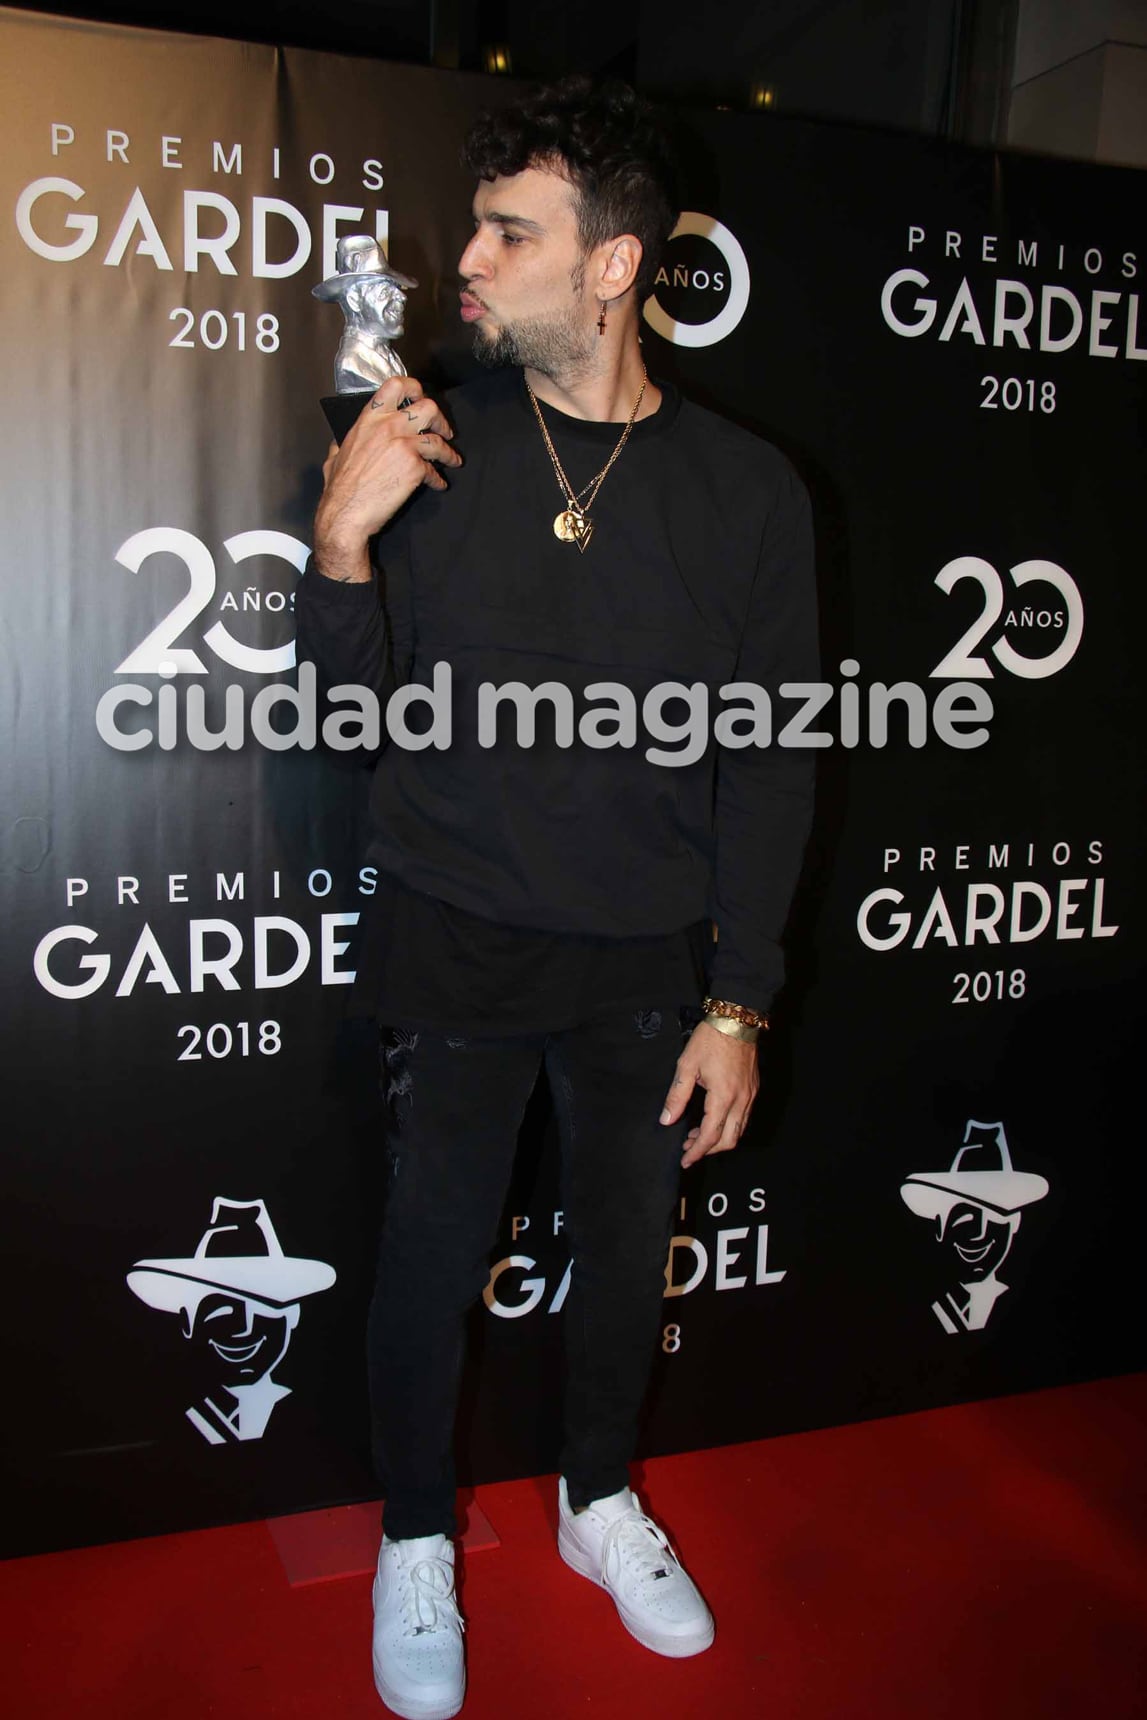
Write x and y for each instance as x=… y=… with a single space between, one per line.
x=390 y=450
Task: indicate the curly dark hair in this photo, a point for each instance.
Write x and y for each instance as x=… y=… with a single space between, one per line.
x=609 y=143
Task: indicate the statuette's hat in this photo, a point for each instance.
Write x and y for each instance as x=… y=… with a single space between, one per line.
x=357 y=258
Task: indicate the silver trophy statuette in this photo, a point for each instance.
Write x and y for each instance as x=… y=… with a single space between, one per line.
x=372 y=297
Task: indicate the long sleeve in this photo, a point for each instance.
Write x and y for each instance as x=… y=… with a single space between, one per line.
x=764 y=795
x=359 y=635
x=701 y=568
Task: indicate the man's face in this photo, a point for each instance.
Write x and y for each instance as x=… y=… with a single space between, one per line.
x=526 y=293
x=247 y=1337
x=977 y=1240
x=380 y=302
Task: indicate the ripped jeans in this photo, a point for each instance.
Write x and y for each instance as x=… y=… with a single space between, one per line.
x=454 y=1109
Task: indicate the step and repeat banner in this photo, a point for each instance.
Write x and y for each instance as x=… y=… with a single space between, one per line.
x=940 y=1196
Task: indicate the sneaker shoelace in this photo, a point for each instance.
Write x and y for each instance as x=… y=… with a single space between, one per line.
x=646 y=1548
x=428 y=1597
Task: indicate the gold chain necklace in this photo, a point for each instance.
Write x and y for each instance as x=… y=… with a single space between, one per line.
x=573 y=525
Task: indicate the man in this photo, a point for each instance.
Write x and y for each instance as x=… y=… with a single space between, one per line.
x=558 y=903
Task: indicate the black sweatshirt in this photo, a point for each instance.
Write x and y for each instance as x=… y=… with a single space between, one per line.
x=700 y=569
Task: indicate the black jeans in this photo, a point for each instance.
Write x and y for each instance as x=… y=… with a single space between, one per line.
x=454 y=1110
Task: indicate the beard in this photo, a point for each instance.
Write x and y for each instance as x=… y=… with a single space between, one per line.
x=558 y=347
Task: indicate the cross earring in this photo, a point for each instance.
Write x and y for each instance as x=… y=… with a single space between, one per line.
x=601 y=319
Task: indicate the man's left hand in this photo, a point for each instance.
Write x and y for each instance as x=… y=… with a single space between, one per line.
x=727 y=1069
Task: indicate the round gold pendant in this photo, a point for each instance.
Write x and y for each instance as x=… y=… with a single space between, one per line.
x=568 y=526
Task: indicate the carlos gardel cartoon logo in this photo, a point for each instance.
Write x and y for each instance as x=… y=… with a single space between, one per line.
x=238 y=1297
x=976 y=1206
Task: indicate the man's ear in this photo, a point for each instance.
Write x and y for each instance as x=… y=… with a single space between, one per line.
x=622 y=263
x=186 y=1321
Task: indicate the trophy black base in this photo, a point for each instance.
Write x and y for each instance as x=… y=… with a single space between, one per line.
x=342 y=411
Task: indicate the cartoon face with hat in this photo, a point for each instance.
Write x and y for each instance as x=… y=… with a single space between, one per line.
x=976 y=1207
x=238 y=1297
x=373 y=300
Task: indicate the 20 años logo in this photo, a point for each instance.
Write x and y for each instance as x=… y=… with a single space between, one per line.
x=1060 y=615
x=701 y=291
x=159 y=653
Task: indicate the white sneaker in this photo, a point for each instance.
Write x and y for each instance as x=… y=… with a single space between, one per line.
x=614 y=1544
x=419 y=1668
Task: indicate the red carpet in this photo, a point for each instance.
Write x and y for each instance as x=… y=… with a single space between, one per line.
x=987 y=1561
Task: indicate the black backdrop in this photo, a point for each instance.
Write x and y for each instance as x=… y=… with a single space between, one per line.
x=156 y=386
